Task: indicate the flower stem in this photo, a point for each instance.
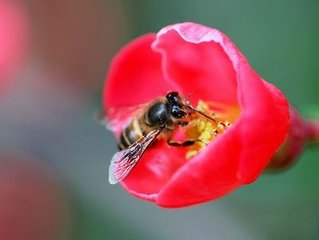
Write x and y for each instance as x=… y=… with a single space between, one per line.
x=312 y=130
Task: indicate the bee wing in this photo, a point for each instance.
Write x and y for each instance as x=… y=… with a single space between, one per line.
x=124 y=161
x=117 y=118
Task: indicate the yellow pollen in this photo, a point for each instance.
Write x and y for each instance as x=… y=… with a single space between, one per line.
x=204 y=130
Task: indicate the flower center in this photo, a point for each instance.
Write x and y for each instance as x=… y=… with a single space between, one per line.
x=203 y=130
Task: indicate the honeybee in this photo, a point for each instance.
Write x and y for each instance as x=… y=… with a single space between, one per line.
x=160 y=117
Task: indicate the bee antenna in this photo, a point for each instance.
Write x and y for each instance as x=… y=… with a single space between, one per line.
x=199 y=112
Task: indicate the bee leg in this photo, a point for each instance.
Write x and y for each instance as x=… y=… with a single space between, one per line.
x=181 y=144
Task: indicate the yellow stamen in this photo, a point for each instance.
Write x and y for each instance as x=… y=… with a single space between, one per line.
x=203 y=129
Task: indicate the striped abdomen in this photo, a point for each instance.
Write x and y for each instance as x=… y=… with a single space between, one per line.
x=130 y=135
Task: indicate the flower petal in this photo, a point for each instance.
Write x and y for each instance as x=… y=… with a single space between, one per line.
x=154 y=170
x=209 y=175
x=135 y=75
x=265 y=122
x=194 y=59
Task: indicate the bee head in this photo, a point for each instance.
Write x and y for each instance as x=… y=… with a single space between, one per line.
x=175 y=103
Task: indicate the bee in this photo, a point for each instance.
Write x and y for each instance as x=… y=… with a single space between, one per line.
x=160 y=117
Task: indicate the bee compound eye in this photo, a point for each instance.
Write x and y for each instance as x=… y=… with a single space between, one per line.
x=177 y=112
x=172 y=94
x=172 y=97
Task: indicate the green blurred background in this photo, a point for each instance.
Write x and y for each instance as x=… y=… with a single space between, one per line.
x=47 y=115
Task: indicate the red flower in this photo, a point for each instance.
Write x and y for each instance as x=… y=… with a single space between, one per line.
x=13 y=37
x=198 y=60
